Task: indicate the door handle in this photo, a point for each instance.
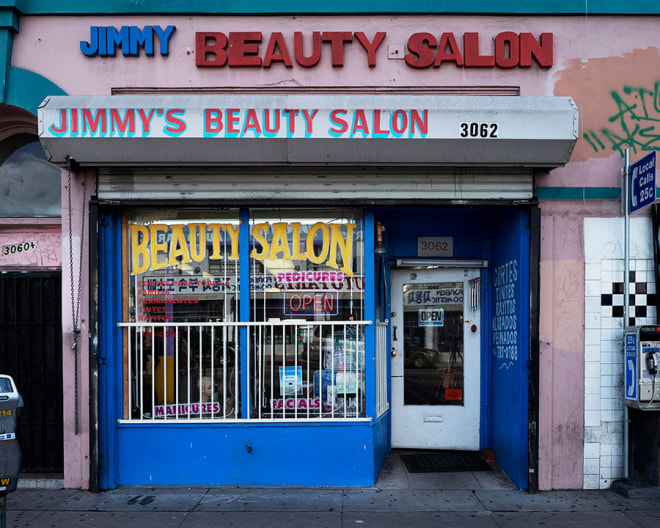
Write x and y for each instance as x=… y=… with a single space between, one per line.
x=394 y=333
x=393 y=352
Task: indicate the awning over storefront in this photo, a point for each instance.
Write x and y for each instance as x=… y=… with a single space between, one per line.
x=309 y=129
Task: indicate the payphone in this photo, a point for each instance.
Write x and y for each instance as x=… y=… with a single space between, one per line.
x=642 y=394
x=642 y=370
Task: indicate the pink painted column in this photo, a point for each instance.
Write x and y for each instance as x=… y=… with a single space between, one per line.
x=75 y=363
x=561 y=331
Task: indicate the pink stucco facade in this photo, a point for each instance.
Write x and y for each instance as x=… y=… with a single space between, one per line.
x=606 y=77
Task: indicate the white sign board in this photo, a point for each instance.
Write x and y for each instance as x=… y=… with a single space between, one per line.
x=308 y=128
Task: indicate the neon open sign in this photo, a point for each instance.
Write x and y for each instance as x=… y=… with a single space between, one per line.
x=311 y=303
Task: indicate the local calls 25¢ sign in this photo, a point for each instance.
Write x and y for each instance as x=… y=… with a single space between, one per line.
x=256 y=49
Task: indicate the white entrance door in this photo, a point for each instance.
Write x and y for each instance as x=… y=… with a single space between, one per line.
x=436 y=358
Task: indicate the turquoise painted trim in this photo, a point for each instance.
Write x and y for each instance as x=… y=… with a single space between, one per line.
x=578 y=193
x=27 y=89
x=6 y=45
x=8 y=26
x=191 y=7
x=8 y=19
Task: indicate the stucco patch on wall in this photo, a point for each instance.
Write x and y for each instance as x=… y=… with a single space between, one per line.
x=619 y=102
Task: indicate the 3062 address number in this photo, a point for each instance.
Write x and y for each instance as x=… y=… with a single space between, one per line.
x=432 y=245
x=479 y=130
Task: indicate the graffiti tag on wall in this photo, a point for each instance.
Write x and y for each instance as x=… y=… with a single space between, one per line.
x=634 y=125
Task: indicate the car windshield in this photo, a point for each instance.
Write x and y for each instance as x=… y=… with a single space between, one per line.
x=5 y=385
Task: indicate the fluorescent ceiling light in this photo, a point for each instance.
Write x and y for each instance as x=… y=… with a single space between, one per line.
x=442 y=263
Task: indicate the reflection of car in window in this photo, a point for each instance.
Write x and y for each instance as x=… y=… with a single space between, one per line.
x=418 y=357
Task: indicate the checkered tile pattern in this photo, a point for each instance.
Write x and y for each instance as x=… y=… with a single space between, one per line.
x=612 y=300
x=604 y=265
x=603 y=373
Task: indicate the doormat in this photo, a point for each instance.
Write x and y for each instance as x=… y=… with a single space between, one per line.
x=444 y=461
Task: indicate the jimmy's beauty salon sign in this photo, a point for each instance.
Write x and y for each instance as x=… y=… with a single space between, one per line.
x=250 y=122
x=310 y=128
x=257 y=49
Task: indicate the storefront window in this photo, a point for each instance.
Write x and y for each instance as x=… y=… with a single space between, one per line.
x=184 y=277
x=307 y=287
x=304 y=333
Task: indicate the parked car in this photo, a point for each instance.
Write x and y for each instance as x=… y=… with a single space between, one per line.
x=417 y=357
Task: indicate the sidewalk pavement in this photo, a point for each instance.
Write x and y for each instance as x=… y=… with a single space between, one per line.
x=479 y=499
x=329 y=507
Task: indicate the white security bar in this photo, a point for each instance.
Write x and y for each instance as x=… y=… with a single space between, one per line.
x=382 y=405
x=294 y=370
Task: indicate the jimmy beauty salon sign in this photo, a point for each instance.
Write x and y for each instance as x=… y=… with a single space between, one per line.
x=258 y=49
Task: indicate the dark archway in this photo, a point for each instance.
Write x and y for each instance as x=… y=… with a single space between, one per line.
x=30 y=294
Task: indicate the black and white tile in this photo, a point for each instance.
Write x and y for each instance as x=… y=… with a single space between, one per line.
x=604 y=325
x=641 y=295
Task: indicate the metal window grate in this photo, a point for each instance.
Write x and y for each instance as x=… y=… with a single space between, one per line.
x=293 y=371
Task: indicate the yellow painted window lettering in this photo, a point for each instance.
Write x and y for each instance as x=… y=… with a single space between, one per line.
x=158 y=247
x=140 y=250
x=280 y=242
x=178 y=245
x=311 y=234
x=233 y=235
x=331 y=240
x=232 y=230
x=146 y=248
x=197 y=241
x=148 y=254
x=345 y=247
x=297 y=255
x=257 y=231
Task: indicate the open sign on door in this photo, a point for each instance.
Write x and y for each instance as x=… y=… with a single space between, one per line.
x=431 y=317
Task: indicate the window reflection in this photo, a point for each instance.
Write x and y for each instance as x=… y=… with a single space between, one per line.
x=29 y=184
x=433 y=345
